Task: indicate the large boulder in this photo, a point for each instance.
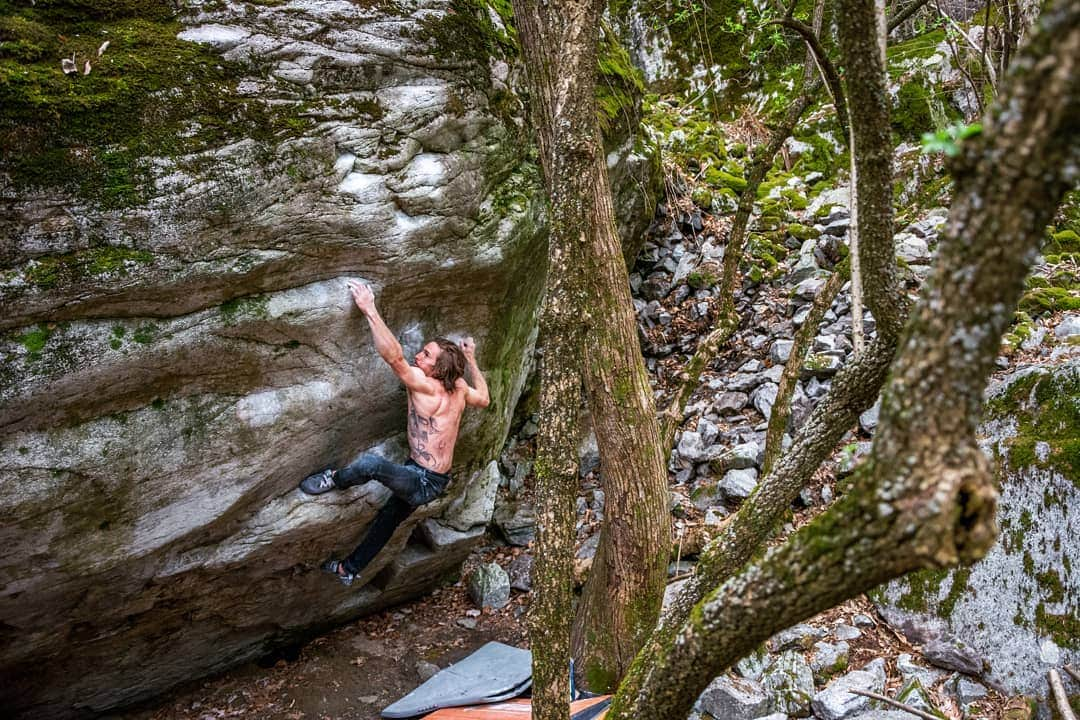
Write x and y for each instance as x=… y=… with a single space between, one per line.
x=1013 y=615
x=178 y=347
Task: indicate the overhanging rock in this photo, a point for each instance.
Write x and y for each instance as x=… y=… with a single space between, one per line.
x=179 y=348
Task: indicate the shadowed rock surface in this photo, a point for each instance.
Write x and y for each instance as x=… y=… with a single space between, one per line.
x=177 y=357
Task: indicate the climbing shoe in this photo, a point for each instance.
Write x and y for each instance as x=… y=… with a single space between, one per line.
x=320 y=482
x=337 y=569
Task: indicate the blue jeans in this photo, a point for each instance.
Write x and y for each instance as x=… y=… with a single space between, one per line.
x=413 y=485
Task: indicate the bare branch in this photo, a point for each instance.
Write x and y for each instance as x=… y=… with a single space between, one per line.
x=896 y=704
x=1072 y=671
x=1060 y=696
x=904 y=14
x=825 y=66
x=804 y=339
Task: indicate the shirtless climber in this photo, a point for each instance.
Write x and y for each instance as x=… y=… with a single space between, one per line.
x=438 y=395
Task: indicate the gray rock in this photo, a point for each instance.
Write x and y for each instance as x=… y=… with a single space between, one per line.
x=912 y=672
x=822 y=365
x=733 y=699
x=912 y=249
x=588 y=454
x=489 y=586
x=850 y=457
x=753 y=666
x=730 y=403
x=846 y=632
x=690 y=447
x=476 y=504
x=883 y=715
x=520 y=572
x=968 y=691
x=781 y=351
x=790 y=683
x=927 y=227
x=801 y=407
x=837 y=702
x=824 y=343
x=829 y=659
x=741 y=456
x=426 y=670
x=868 y=420
x=1068 y=327
x=772 y=374
x=810 y=287
x=441 y=538
x=516 y=521
x=714 y=516
x=916 y=696
x=738 y=484
x=816 y=388
x=763 y=397
x=805 y=267
x=708 y=431
x=517 y=482
x=952 y=654
x=837 y=227
x=743 y=382
x=751 y=366
x=800 y=636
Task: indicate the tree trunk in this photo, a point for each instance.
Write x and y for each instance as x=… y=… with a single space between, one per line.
x=621 y=600
x=555 y=492
x=926 y=496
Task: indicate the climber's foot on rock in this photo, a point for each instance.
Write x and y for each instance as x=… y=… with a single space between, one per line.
x=338 y=570
x=320 y=482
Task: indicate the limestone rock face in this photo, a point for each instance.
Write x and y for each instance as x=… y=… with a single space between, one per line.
x=1016 y=609
x=178 y=348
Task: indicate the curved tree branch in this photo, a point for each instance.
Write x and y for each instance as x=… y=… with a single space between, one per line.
x=825 y=66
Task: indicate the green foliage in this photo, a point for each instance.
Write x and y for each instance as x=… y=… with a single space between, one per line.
x=948 y=140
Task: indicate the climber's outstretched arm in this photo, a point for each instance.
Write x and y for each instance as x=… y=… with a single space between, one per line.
x=386 y=344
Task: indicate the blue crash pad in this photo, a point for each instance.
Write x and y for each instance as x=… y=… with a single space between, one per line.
x=494 y=672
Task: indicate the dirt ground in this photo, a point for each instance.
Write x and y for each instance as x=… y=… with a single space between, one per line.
x=353 y=672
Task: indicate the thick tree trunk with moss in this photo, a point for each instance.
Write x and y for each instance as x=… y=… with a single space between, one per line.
x=621 y=600
x=926 y=495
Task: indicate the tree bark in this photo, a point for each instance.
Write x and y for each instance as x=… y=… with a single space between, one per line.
x=622 y=596
x=555 y=491
x=926 y=496
x=804 y=339
x=873 y=262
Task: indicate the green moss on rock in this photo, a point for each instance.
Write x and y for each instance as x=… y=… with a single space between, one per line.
x=912 y=116
x=51 y=270
x=148 y=94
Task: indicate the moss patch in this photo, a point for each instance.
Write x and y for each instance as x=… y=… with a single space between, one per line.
x=148 y=94
x=1046 y=408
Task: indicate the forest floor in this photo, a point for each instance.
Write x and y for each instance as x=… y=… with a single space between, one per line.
x=355 y=671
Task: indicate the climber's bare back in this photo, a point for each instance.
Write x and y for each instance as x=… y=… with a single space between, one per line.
x=434 y=421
